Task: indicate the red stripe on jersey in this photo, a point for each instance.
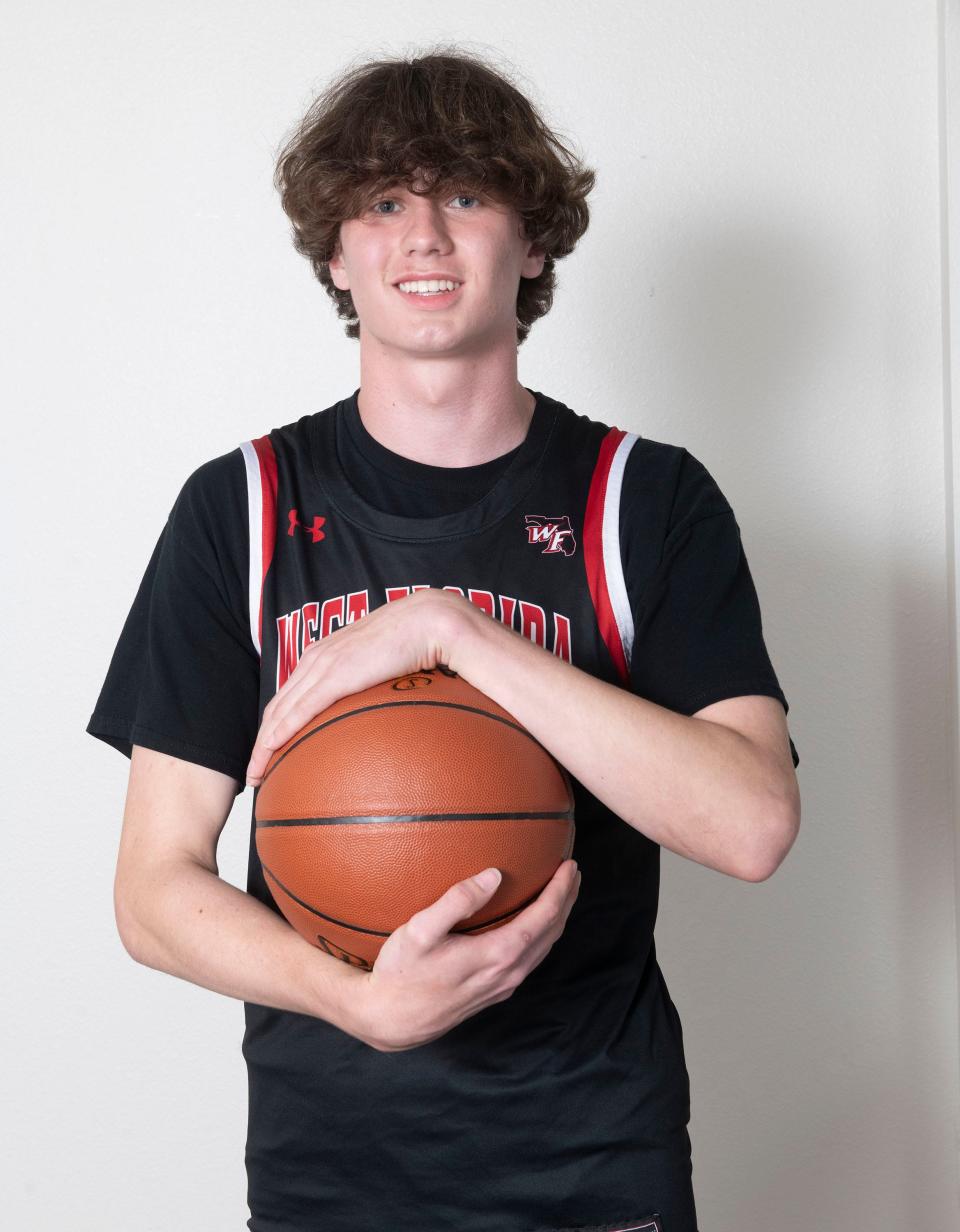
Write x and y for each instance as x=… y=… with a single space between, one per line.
x=268 y=492
x=593 y=551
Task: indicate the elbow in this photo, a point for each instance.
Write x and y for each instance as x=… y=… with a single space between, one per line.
x=777 y=838
x=127 y=927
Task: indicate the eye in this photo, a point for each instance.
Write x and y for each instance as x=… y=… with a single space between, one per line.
x=390 y=201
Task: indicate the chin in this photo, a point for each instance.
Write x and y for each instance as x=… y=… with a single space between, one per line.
x=433 y=341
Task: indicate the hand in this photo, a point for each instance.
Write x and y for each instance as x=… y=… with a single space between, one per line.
x=406 y=635
x=425 y=980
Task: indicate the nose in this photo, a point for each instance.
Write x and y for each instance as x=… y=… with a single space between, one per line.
x=426 y=229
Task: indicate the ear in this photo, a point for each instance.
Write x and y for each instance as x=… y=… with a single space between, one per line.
x=533 y=262
x=338 y=270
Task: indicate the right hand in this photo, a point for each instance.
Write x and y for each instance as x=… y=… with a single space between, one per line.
x=426 y=980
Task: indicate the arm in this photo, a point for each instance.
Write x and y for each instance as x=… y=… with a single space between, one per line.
x=717 y=787
x=175 y=914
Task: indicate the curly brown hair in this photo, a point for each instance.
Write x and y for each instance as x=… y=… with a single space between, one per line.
x=446 y=121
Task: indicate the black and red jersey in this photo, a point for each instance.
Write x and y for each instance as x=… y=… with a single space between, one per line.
x=566 y=1105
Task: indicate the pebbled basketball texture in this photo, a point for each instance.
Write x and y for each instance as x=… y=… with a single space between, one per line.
x=384 y=801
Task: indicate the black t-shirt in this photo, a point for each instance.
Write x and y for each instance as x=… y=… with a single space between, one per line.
x=566 y=1105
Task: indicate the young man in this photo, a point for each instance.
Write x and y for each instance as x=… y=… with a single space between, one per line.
x=590 y=581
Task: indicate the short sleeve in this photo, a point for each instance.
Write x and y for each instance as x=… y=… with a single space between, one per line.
x=184 y=677
x=698 y=634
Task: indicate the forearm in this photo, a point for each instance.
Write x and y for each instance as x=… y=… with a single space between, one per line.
x=190 y=923
x=698 y=788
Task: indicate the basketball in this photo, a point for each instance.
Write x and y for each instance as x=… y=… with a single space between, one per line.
x=377 y=806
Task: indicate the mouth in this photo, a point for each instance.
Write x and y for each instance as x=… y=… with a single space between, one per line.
x=429 y=294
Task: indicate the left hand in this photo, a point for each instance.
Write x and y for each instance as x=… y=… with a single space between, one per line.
x=405 y=635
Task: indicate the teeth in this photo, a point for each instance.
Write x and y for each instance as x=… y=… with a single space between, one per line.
x=428 y=287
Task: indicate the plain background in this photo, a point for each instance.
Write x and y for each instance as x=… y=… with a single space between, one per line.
x=765 y=281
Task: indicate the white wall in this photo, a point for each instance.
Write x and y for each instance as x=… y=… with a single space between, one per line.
x=761 y=282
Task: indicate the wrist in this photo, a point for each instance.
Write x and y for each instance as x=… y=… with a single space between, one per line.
x=339 y=995
x=465 y=625
x=367 y=1020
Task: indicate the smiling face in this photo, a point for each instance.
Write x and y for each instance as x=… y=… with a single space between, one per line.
x=402 y=237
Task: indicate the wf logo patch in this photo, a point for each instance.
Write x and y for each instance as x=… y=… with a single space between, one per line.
x=314 y=531
x=555 y=533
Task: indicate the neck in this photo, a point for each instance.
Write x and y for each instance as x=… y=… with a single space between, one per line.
x=445 y=412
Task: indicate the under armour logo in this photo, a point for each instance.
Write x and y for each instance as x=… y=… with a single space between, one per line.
x=556 y=533
x=314 y=531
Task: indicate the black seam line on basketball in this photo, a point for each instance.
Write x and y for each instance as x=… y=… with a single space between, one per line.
x=386 y=706
x=373 y=932
x=400 y=817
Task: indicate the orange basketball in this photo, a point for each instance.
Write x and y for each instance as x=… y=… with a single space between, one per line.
x=379 y=805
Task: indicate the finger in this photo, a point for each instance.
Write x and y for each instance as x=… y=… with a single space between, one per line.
x=573 y=893
x=538 y=938
x=293 y=708
x=269 y=739
x=265 y=743
x=326 y=677
x=296 y=714
x=259 y=757
x=305 y=677
x=274 y=736
x=545 y=910
x=463 y=899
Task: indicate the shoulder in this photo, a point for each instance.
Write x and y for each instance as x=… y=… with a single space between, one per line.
x=217 y=484
x=226 y=484
x=662 y=483
x=671 y=484
x=227 y=475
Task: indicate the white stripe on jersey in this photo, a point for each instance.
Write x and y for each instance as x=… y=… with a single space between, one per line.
x=612 y=559
x=255 y=515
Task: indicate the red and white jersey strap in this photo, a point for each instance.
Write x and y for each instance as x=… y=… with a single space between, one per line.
x=261 y=464
x=601 y=549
